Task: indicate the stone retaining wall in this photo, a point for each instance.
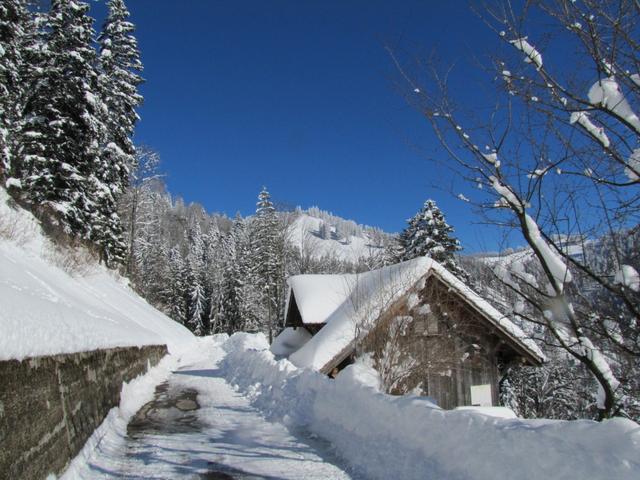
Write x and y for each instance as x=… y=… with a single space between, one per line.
x=49 y=406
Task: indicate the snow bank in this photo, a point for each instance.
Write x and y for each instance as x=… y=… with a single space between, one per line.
x=45 y=310
x=405 y=437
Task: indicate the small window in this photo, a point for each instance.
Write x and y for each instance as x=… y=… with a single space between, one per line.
x=427 y=325
x=432 y=327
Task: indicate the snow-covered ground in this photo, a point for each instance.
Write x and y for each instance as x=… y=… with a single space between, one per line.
x=304 y=233
x=225 y=435
x=47 y=310
x=282 y=422
x=407 y=437
x=278 y=421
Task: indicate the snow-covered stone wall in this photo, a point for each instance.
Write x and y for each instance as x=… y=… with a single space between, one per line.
x=50 y=406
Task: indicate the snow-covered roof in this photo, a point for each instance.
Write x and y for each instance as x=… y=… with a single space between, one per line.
x=350 y=303
x=318 y=296
x=289 y=340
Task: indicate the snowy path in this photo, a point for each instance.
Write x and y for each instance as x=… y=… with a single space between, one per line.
x=198 y=427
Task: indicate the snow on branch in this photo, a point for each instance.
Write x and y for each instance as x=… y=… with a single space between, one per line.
x=633 y=166
x=492 y=158
x=506 y=195
x=582 y=119
x=556 y=265
x=607 y=94
x=532 y=55
x=628 y=277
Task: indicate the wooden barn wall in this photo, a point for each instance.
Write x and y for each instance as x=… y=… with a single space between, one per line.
x=465 y=351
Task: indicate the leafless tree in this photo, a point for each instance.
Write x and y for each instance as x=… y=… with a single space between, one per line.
x=134 y=201
x=556 y=158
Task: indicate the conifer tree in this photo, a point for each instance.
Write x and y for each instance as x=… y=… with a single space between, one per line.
x=195 y=280
x=269 y=253
x=14 y=24
x=225 y=312
x=60 y=132
x=119 y=63
x=175 y=294
x=245 y=279
x=241 y=297
x=213 y=274
x=120 y=68
x=428 y=234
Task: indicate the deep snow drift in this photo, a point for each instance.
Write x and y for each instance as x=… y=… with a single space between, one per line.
x=407 y=437
x=44 y=310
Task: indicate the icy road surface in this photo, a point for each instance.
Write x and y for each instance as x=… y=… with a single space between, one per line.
x=198 y=427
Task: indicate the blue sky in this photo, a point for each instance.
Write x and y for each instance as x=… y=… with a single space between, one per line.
x=298 y=96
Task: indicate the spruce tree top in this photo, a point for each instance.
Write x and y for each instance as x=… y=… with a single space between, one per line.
x=264 y=205
x=429 y=234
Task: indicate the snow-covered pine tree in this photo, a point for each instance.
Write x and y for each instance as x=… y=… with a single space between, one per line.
x=556 y=390
x=176 y=292
x=60 y=131
x=324 y=231
x=429 y=234
x=120 y=68
x=214 y=273
x=195 y=269
x=120 y=77
x=269 y=249
x=14 y=22
x=197 y=308
x=392 y=251
x=246 y=279
x=225 y=309
x=241 y=298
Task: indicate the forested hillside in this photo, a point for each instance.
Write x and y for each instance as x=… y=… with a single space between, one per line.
x=217 y=274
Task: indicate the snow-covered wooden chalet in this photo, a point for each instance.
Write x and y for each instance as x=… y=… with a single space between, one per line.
x=423 y=328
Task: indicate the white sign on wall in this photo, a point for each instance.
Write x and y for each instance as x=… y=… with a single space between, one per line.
x=481 y=396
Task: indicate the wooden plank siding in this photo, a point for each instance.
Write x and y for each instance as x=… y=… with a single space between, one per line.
x=442 y=362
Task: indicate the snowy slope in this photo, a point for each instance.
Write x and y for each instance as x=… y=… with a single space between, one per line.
x=304 y=233
x=44 y=310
